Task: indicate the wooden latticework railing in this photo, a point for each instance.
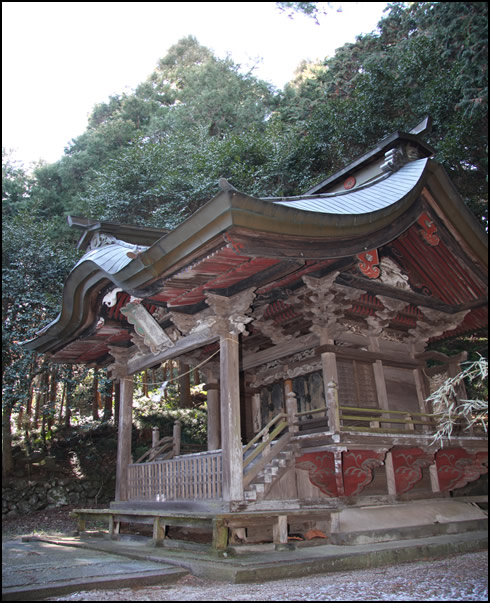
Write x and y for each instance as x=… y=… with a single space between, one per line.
x=190 y=477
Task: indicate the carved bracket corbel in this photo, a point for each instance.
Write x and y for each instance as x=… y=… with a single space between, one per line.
x=231 y=314
x=147 y=327
x=435 y=323
x=119 y=369
x=368 y=263
x=382 y=318
x=328 y=301
x=429 y=230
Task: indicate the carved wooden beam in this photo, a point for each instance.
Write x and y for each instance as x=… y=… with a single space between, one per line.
x=382 y=318
x=231 y=314
x=435 y=323
x=147 y=327
x=183 y=346
x=327 y=301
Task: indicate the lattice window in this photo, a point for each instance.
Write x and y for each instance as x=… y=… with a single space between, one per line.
x=357 y=386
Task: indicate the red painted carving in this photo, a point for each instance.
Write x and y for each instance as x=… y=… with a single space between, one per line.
x=428 y=230
x=235 y=245
x=357 y=467
x=482 y=459
x=407 y=466
x=368 y=261
x=321 y=470
x=456 y=467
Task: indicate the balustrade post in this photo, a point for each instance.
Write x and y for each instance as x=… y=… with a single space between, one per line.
x=155 y=438
x=333 y=410
x=214 y=426
x=177 y=438
x=291 y=410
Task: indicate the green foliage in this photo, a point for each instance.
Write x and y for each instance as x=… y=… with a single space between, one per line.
x=34 y=268
x=16 y=185
x=310 y=9
x=452 y=409
x=150 y=413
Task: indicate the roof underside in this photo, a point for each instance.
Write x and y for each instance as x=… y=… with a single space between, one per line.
x=412 y=218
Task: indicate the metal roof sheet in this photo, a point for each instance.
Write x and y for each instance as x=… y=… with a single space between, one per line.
x=110 y=258
x=366 y=199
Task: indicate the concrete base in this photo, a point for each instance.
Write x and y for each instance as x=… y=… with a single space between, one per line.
x=256 y=566
x=36 y=569
x=413 y=513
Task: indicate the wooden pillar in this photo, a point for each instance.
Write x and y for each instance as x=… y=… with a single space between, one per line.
x=230 y=418
x=214 y=426
x=330 y=382
x=177 y=435
x=379 y=376
x=124 y=437
x=184 y=386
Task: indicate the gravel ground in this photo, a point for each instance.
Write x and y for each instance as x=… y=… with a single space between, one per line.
x=459 y=578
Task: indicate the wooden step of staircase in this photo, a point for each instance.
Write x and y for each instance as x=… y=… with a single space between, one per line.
x=270 y=474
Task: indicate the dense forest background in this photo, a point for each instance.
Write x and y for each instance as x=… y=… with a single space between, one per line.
x=153 y=156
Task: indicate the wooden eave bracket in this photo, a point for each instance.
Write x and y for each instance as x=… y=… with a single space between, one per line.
x=147 y=327
x=369 y=263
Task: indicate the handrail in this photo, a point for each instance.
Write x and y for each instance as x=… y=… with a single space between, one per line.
x=160 y=446
x=263 y=445
x=265 y=429
x=381 y=415
x=266 y=458
x=314 y=411
x=394 y=412
x=268 y=449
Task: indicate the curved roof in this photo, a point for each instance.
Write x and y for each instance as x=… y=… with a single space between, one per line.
x=236 y=240
x=371 y=197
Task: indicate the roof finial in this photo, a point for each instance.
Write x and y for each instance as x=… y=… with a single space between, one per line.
x=225 y=185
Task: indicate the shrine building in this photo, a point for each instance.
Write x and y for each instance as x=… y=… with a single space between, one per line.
x=310 y=318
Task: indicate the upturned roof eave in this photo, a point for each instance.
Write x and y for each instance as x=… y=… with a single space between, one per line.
x=205 y=229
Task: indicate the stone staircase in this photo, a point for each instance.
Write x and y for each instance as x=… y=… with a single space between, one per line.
x=258 y=489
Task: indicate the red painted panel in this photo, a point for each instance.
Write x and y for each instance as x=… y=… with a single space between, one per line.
x=456 y=468
x=434 y=269
x=321 y=470
x=357 y=469
x=408 y=464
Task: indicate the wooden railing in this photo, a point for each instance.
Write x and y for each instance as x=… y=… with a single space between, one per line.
x=163 y=448
x=189 y=477
x=371 y=420
x=264 y=447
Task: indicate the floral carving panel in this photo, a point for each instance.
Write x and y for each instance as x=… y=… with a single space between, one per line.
x=456 y=467
x=408 y=464
x=357 y=469
x=321 y=471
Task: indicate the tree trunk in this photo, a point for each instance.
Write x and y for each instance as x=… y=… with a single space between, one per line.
x=69 y=387
x=7 y=458
x=184 y=386
x=117 y=395
x=96 y=398
x=108 y=402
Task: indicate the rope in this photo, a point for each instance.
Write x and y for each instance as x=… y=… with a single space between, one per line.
x=165 y=383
